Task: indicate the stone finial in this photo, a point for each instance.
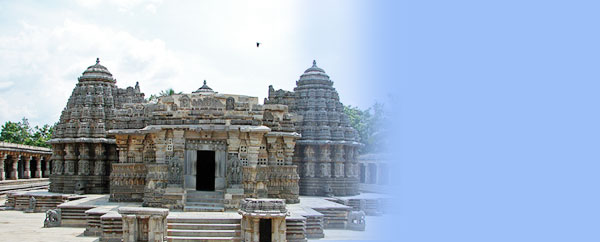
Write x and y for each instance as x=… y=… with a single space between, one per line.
x=314 y=63
x=97 y=61
x=204 y=82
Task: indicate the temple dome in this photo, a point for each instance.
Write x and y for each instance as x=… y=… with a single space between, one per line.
x=314 y=68
x=97 y=72
x=204 y=89
x=314 y=75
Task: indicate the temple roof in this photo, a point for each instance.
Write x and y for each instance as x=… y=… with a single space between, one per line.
x=204 y=89
x=314 y=68
x=97 y=72
x=314 y=73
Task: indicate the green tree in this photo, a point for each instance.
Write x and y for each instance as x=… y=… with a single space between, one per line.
x=41 y=135
x=22 y=133
x=370 y=125
x=15 y=132
x=163 y=93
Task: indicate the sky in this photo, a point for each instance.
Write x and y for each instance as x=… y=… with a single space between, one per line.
x=495 y=115
x=45 y=46
x=492 y=104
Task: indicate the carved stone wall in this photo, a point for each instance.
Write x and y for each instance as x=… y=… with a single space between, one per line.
x=81 y=147
x=325 y=153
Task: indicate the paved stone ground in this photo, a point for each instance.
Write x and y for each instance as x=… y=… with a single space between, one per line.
x=370 y=234
x=17 y=226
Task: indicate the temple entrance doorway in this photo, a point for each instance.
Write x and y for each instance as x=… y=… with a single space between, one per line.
x=205 y=170
x=8 y=168
x=20 y=169
x=265 y=230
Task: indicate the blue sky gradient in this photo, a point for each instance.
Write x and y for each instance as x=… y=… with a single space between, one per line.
x=496 y=118
x=493 y=104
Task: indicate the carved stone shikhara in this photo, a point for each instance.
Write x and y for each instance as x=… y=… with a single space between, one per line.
x=326 y=153
x=111 y=140
x=82 y=150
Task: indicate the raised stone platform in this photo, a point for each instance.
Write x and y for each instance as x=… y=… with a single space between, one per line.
x=23 y=185
x=373 y=204
x=73 y=213
x=42 y=200
x=335 y=215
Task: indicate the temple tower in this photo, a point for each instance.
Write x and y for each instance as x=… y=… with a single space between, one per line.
x=81 y=149
x=326 y=153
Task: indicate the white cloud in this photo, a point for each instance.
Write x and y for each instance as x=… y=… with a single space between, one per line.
x=6 y=84
x=125 y=6
x=39 y=70
x=173 y=47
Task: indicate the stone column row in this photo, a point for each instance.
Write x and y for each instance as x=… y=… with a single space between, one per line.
x=65 y=159
x=318 y=161
x=13 y=161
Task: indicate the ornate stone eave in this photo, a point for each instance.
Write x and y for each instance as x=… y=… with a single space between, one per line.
x=207 y=127
x=330 y=142
x=283 y=134
x=5 y=146
x=81 y=140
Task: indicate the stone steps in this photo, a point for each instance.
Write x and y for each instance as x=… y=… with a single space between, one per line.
x=334 y=218
x=205 y=200
x=192 y=220
x=201 y=201
x=199 y=226
x=204 y=204
x=203 y=232
x=201 y=239
x=192 y=208
x=112 y=227
x=181 y=229
x=295 y=229
x=73 y=216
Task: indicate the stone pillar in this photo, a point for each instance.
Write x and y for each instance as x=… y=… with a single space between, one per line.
x=272 y=150
x=57 y=160
x=27 y=170
x=99 y=157
x=38 y=167
x=70 y=159
x=84 y=160
x=255 y=209
x=47 y=167
x=2 y=159
x=289 y=144
x=144 y=224
x=15 y=170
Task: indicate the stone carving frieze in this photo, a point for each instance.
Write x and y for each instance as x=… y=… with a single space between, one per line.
x=175 y=172
x=309 y=169
x=325 y=169
x=197 y=144
x=234 y=170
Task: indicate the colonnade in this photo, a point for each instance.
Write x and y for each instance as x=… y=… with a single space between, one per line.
x=24 y=161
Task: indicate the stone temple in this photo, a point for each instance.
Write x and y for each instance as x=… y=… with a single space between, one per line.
x=204 y=151
x=326 y=155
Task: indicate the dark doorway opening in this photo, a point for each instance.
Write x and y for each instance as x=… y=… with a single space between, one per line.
x=20 y=169
x=32 y=167
x=205 y=171
x=362 y=173
x=43 y=167
x=265 y=230
x=8 y=168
